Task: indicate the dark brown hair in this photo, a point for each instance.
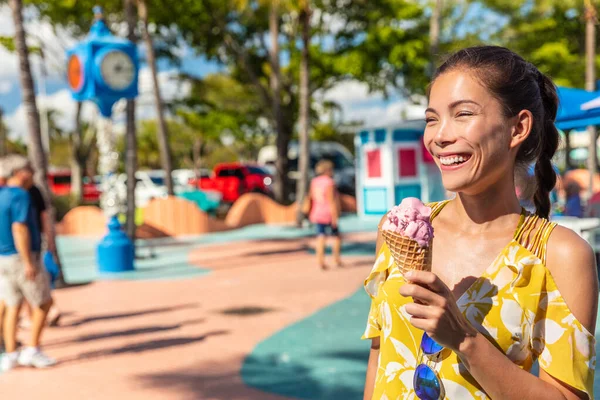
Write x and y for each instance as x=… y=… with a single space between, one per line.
x=518 y=85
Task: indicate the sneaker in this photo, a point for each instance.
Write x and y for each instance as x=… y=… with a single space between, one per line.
x=8 y=361
x=34 y=357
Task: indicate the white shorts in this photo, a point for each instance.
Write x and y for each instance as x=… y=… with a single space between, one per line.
x=14 y=285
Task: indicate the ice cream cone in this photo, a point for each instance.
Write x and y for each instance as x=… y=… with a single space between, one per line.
x=407 y=253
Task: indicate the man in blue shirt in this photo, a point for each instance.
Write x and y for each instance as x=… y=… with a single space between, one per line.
x=21 y=273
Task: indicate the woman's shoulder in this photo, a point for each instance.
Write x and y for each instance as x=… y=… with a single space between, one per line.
x=571 y=262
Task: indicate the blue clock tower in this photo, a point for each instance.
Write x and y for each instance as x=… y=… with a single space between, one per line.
x=104 y=68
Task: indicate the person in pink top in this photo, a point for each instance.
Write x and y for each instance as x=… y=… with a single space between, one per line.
x=325 y=211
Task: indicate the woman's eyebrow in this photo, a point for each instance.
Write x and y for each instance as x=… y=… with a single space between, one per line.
x=454 y=104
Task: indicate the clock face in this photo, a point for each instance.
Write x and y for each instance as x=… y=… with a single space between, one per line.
x=117 y=70
x=75 y=73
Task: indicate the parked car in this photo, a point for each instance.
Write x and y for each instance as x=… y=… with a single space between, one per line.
x=343 y=162
x=149 y=185
x=59 y=182
x=183 y=177
x=235 y=179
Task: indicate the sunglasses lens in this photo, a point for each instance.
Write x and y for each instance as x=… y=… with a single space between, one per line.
x=429 y=346
x=426 y=383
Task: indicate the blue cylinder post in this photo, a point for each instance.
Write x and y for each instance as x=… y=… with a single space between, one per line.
x=115 y=252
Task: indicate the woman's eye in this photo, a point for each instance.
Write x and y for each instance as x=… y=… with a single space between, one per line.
x=464 y=114
x=428 y=120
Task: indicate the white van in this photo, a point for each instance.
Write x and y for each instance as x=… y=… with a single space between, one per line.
x=341 y=157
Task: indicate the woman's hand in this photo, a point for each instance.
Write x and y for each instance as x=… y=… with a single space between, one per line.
x=435 y=311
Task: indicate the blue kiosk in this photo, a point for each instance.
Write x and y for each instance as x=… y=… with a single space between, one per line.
x=104 y=68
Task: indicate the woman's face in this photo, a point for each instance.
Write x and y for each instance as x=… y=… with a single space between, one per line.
x=471 y=140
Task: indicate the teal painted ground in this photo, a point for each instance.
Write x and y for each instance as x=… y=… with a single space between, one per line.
x=320 y=357
x=78 y=254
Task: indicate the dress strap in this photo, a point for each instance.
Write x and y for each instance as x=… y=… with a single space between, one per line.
x=541 y=244
x=535 y=238
x=523 y=233
x=437 y=207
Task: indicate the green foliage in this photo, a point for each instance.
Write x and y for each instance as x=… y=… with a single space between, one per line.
x=60 y=152
x=62 y=205
x=549 y=33
x=326 y=132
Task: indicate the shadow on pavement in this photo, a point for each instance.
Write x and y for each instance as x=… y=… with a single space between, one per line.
x=140 y=347
x=107 y=317
x=204 y=382
x=123 y=333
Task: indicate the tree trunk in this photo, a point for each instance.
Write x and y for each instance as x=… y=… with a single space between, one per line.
x=2 y=134
x=590 y=85
x=35 y=147
x=283 y=135
x=77 y=159
x=163 y=134
x=130 y=135
x=197 y=156
x=434 y=33
x=304 y=153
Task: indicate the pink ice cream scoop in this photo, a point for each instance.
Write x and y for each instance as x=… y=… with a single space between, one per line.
x=411 y=219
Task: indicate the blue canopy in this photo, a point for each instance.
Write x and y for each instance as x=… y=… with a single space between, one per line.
x=570 y=115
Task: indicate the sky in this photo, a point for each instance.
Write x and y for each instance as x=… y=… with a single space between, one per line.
x=354 y=98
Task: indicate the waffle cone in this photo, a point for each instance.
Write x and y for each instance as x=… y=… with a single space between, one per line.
x=407 y=253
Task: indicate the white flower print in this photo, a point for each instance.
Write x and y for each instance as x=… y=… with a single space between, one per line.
x=404 y=352
x=386 y=319
x=392 y=369
x=372 y=286
x=460 y=369
x=477 y=301
x=407 y=380
x=456 y=391
x=518 y=322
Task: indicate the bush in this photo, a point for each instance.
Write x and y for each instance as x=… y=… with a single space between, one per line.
x=62 y=205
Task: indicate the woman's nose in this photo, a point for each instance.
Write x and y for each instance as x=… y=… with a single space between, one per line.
x=445 y=134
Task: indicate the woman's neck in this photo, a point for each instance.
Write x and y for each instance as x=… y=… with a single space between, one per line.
x=487 y=211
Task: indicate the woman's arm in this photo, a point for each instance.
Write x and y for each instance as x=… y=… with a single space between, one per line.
x=372 y=369
x=374 y=352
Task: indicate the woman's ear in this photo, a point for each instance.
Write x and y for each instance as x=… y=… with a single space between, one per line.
x=523 y=124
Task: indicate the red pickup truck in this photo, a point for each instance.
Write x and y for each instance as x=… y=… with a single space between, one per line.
x=60 y=185
x=234 y=179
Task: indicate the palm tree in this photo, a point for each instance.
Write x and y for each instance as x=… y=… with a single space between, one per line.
x=2 y=134
x=130 y=135
x=590 y=83
x=35 y=147
x=434 y=32
x=304 y=154
x=163 y=139
x=282 y=142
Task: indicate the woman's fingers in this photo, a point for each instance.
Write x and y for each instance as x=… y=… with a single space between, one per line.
x=426 y=278
x=421 y=311
x=421 y=294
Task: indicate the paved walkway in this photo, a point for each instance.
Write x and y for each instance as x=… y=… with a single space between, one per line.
x=146 y=338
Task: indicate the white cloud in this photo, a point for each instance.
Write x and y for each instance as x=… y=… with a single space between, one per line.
x=371 y=108
x=350 y=92
x=5 y=86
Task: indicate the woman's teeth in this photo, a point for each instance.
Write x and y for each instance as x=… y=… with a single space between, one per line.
x=453 y=160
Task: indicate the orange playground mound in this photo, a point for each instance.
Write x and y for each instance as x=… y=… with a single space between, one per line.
x=173 y=216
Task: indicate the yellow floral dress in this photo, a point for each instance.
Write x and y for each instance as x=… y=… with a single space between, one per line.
x=515 y=304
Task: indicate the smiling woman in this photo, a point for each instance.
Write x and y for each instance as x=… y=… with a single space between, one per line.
x=506 y=287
